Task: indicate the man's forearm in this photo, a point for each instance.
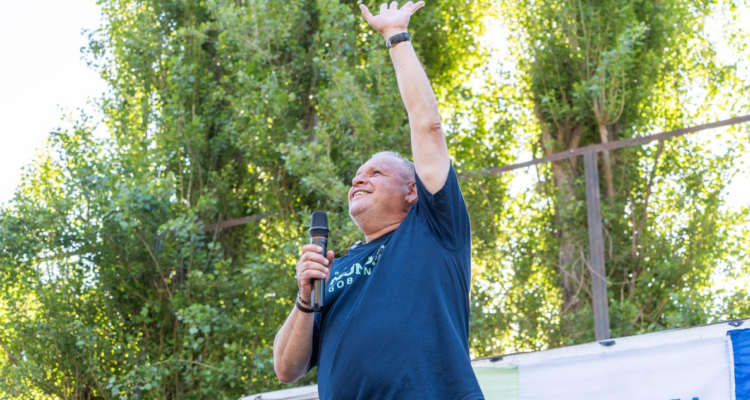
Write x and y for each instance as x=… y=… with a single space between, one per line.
x=428 y=141
x=292 y=347
x=415 y=88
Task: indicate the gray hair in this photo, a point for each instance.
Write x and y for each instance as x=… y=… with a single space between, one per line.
x=408 y=166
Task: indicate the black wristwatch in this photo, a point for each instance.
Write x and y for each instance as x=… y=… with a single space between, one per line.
x=397 y=38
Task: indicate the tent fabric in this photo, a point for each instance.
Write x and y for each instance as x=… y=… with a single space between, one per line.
x=499 y=382
x=741 y=351
x=683 y=371
x=705 y=368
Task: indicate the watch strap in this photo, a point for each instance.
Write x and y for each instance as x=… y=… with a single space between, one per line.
x=397 y=38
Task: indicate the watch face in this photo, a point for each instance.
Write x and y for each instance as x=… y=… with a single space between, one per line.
x=397 y=38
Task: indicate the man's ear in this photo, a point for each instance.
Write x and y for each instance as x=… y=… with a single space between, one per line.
x=411 y=194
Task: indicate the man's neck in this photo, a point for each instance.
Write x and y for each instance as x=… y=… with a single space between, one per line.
x=369 y=237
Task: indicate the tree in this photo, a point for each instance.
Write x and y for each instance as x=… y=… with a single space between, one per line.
x=217 y=110
x=598 y=72
x=112 y=287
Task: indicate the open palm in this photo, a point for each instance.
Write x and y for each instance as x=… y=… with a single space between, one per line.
x=391 y=19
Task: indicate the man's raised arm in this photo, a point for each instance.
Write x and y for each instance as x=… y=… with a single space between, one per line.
x=428 y=145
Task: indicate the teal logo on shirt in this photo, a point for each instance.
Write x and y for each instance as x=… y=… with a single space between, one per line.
x=342 y=279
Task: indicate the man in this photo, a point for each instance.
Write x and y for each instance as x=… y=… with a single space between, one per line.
x=396 y=316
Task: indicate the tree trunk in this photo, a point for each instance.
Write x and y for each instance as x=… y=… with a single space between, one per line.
x=604 y=135
x=601 y=121
x=564 y=175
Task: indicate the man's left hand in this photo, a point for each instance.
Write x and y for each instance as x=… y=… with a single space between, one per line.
x=392 y=20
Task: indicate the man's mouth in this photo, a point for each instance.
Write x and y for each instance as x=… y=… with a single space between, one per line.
x=359 y=193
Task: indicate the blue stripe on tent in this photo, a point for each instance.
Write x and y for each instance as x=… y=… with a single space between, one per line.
x=741 y=349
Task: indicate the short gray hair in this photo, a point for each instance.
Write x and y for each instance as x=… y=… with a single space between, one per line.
x=408 y=166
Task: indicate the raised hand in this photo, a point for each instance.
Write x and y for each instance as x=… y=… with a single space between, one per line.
x=392 y=20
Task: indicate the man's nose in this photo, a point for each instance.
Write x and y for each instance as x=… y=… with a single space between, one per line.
x=358 y=180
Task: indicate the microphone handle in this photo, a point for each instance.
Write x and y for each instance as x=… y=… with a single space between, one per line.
x=318 y=285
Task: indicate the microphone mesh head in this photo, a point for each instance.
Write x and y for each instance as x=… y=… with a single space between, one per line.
x=319 y=220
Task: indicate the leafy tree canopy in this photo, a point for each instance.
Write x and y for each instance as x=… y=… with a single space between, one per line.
x=113 y=288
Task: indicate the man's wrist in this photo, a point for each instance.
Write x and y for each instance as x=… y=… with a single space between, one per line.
x=392 y=32
x=303 y=300
x=303 y=308
x=397 y=39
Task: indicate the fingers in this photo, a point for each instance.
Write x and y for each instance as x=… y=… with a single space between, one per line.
x=314 y=257
x=314 y=248
x=311 y=273
x=312 y=264
x=312 y=269
x=409 y=6
x=417 y=6
x=365 y=12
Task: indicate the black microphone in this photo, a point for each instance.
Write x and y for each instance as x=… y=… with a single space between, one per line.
x=319 y=236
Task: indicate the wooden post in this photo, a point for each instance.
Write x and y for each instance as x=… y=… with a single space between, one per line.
x=596 y=247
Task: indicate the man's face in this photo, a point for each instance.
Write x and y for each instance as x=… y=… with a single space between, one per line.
x=379 y=192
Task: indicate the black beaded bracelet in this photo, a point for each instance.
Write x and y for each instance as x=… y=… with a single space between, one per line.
x=303 y=309
x=301 y=300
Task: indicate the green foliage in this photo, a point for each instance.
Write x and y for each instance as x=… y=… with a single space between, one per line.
x=597 y=72
x=111 y=287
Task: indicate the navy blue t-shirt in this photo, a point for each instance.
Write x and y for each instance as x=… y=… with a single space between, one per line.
x=395 y=324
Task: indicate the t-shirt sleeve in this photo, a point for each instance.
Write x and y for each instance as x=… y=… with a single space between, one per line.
x=315 y=343
x=445 y=212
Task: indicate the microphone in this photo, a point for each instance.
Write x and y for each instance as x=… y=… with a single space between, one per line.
x=319 y=236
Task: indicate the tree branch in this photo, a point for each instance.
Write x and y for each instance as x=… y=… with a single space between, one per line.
x=649 y=186
x=11 y=357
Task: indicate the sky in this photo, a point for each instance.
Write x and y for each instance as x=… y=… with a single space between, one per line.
x=41 y=73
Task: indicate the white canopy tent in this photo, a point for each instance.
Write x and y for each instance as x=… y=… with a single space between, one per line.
x=705 y=362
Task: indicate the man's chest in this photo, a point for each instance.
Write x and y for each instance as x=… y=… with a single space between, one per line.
x=351 y=273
